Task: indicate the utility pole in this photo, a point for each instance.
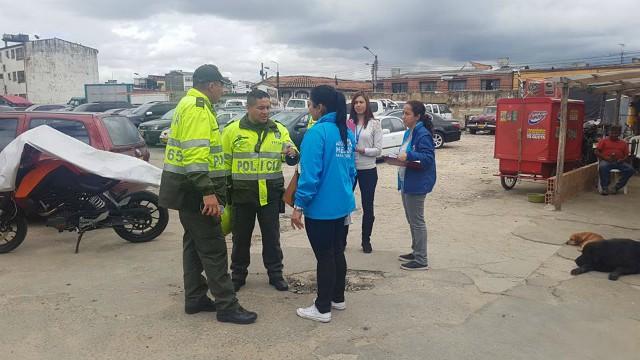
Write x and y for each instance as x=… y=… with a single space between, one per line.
x=374 y=69
x=621 y=53
x=262 y=71
x=277 y=78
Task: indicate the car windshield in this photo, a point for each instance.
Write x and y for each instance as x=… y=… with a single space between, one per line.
x=287 y=117
x=444 y=108
x=490 y=110
x=234 y=104
x=121 y=130
x=8 y=129
x=297 y=104
x=168 y=115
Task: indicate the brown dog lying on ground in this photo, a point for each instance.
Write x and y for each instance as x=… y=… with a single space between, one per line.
x=583 y=238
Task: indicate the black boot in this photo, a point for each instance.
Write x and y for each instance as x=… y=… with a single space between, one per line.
x=203 y=304
x=279 y=283
x=366 y=248
x=237 y=316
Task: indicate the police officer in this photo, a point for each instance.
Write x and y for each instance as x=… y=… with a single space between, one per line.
x=254 y=149
x=194 y=183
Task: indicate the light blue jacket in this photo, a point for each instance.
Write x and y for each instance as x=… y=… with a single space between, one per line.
x=327 y=172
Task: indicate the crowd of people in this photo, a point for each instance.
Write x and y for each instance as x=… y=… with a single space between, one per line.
x=206 y=171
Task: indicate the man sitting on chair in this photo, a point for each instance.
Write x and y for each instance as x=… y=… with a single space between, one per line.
x=612 y=153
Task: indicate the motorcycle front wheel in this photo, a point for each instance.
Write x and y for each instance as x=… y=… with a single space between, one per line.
x=146 y=225
x=12 y=233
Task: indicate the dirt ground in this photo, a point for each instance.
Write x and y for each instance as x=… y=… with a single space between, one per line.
x=499 y=285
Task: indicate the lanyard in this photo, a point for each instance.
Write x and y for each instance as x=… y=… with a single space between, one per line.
x=358 y=133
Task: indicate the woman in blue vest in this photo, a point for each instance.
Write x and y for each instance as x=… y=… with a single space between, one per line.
x=417 y=180
x=325 y=197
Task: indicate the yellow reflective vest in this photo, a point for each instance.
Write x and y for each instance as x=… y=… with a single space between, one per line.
x=253 y=155
x=193 y=159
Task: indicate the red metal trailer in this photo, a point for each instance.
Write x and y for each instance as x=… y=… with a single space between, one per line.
x=527 y=135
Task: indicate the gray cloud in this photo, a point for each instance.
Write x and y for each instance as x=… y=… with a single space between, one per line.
x=326 y=37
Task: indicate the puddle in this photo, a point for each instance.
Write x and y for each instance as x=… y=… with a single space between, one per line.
x=357 y=280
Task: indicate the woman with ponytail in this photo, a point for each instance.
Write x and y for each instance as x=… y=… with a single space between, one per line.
x=325 y=197
x=415 y=183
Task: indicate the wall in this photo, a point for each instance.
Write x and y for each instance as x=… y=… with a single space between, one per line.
x=462 y=103
x=9 y=66
x=57 y=70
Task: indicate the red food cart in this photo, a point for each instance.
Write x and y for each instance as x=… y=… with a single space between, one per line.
x=527 y=133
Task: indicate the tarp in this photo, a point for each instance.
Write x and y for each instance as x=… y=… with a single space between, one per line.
x=60 y=146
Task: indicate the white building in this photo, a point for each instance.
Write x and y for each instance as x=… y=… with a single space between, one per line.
x=47 y=71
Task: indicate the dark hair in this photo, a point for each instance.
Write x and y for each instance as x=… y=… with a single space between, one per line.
x=418 y=108
x=334 y=101
x=254 y=95
x=368 y=114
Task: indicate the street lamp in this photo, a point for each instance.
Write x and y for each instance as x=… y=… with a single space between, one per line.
x=374 y=68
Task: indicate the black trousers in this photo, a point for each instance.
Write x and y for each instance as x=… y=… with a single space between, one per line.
x=367 y=180
x=328 y=239
x=244 y=220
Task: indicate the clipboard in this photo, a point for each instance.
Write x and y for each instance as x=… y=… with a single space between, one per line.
x=393 y=160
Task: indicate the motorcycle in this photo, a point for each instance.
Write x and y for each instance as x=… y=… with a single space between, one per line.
x=72 y=200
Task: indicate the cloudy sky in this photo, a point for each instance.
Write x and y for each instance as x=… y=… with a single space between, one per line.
x=327 y=37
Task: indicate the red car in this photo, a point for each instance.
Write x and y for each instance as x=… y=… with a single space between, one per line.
x=484 y=121
x=102 y=131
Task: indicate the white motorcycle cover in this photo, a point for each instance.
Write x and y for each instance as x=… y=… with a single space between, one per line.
x=56 y=144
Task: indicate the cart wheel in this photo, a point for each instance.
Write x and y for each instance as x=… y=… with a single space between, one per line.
x=508 y=182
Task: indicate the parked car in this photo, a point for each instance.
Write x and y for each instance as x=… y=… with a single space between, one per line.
x=235 y=103
x=150 y=111
x=151 y=130
x=16 y=102
x=98 y=107
x=223 y=118
x=296 y=104
x=444 y=131
x=392 y=134
x=105 y=132
x=48 y=107
x=484 y=121
x=120 y=111
x=76 y=101
x=295 y=121
x=4 y=108
x=440 y=109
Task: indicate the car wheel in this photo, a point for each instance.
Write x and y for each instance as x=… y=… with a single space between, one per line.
x=508 y=182
x=438 y=139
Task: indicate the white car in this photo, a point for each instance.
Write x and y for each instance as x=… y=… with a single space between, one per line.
x=297 y=104
x=440 y=109
x=392 y=133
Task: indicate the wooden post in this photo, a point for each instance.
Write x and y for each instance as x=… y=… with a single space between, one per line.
x=561 y=145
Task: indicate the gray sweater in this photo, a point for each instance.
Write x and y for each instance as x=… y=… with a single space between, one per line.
x=369 y=138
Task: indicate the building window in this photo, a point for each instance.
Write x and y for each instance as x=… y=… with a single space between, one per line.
x=188 y=79
x=8 y=54
x=428 y=86
x=1 y=76
x=13 y=53
x=15 y=76
x=399 y=87
x=20 y=53
x=20 y=76
x=490 y=84
x=457 y=85
x=9 y=76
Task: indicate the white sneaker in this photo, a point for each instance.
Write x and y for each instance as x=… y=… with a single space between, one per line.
x=312 y=313
x=335 y=305
x=339 y=306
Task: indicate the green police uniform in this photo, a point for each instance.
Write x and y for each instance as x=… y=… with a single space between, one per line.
x=194 y=167
x=254 y=155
